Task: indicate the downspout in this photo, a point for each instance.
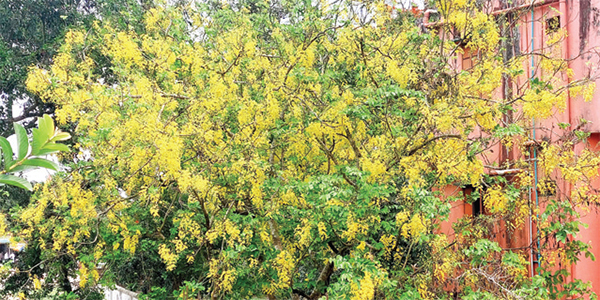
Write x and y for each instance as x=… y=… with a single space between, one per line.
x=533 y=190
x=533 y=142
x=535 y=167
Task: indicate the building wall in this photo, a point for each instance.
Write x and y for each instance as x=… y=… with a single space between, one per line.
x=581 y=20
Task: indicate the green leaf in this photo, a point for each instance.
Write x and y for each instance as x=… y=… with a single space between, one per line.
x=7 y=152
x=15 y=181
x=38 y=141
x=21 y=168
x=42 y=134
x=40 y=162
x=61 y=136
x=581 y=135
x=51 y=148
x=46 y=125
x=22 y=141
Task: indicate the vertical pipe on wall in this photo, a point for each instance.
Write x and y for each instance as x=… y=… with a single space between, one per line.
x=535 y=167
x=531 y=259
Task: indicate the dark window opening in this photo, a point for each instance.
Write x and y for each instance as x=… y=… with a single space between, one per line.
x=474 y=201
x=477 y=207
x=552 y=25
x=547 y=187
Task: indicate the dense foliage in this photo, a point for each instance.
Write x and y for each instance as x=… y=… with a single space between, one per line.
x=299 y=150
x=30 y=34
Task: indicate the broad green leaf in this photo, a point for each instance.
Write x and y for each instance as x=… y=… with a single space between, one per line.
x=7 y=152
x=21 y=168
x=41 y=162
x=52 y=148
x=22 y=141
x=61 y=136
x=38 y=141
x=15 y=181
x=42 y=134
x=57 y=147
x=46 y=125
x=46 y=151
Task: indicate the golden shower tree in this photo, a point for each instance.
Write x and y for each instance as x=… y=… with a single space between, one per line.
x=295 y=150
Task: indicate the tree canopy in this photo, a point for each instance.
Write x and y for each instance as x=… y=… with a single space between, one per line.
x=299 y=150
x=30 y=34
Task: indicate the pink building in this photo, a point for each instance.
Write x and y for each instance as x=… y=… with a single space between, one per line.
x=535 y=21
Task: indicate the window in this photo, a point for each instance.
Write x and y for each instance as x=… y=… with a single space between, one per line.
x=469 y=58
x=547 y=187
x=473 y=201
x=552 y=24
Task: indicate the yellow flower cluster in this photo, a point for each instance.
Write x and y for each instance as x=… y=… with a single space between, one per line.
x=355 y=227
x=303 y=233
x=409 y=226
x=389 y=242
x=495 y=199
x=365 y=289
x=542 y=103
x=284 y=264
x=168 y=257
